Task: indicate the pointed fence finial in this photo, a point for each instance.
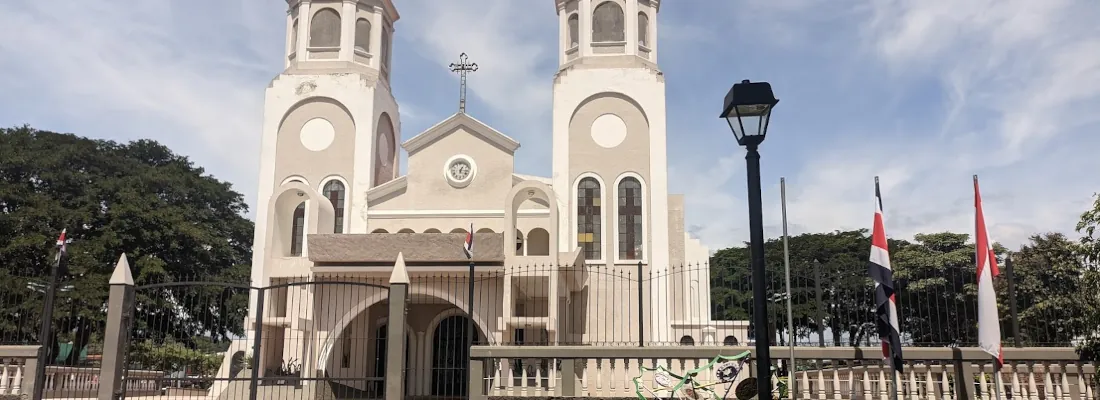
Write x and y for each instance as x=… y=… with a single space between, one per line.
x=400 y=273
x=122 y=275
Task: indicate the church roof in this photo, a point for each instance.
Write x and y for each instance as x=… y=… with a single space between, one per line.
x=454 y=122
x=520 y=178
x=416 y=247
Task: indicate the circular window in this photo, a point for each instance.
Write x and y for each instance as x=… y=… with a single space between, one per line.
x=317 y=134
x=459 y=170
x=608 y=130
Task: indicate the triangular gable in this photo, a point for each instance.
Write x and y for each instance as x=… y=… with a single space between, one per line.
x=460 y=120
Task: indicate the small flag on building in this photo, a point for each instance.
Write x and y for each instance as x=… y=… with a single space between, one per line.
x=989 y=325
x=468 y=247
x=62 y=245
x=886 y=309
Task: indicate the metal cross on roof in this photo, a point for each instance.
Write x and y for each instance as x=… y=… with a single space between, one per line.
x=462 y=68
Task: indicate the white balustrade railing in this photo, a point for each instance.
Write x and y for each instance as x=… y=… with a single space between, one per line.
x=821 y=373
x=17 y=366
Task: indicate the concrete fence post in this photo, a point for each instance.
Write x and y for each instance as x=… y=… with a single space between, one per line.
x=395 y=333
x=117 y=335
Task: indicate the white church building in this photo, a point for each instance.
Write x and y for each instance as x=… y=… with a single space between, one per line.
x=333 y=201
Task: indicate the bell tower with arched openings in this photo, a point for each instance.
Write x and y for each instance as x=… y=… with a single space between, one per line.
x=609 y=141
x=331 y=126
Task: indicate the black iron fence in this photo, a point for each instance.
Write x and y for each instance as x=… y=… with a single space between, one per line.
x=293 y=338
x=701 y=303
x=75 y=343
x=198 y=335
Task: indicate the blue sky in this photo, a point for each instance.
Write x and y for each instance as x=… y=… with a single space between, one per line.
x=924 y=93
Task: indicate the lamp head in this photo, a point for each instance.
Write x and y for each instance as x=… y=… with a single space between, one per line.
x=747 y=109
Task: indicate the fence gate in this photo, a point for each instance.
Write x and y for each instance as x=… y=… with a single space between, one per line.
x=303 y=339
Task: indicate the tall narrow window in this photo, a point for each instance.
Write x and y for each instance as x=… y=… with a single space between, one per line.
x=588 y=218
x=324 y=29
x=643 y=29
x=294 y=36
x=298 y=229
x=385 y=47
x=362 y=35
x=630 y=219
x=607 y=23
x=334 y=192
x=574 y=28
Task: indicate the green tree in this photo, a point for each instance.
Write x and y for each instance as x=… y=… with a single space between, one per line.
x=172 y=219
x=1089 y=250
x=937 y=299
x=1088 y=226
x=1052 y=296
x=847 y=290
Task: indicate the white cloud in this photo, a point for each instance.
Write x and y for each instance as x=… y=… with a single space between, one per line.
x=128 y=72
x=508 y=41
x=1021 y=83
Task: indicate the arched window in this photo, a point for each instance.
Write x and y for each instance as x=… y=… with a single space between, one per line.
x=458 y=230
x=334 y=192
x=406 y=230
x=379 y=230
x=384 y=150
x=608 y=23
x=385 y=48
x=362 y=34
x=294 y=36
x=729 y=341
x=574 y=29
x=298 y=229
x=485 y=230
x=324 y=29
x=432 y=230
x=630 y=219
x=687 y=341
x=588 y=218
x=643 y=29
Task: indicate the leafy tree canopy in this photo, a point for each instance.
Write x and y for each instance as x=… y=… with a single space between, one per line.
x=172 y=220
x=936 y=278
x=1090 y=251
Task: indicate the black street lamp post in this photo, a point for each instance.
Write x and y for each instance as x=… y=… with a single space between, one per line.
x=748 y=109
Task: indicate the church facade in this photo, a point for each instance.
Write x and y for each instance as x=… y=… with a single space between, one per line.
x=334 y=204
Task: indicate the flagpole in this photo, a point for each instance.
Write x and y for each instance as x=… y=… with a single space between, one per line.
x=987 y=267
x=792 y=383
x=893 y=368
x=45 y=331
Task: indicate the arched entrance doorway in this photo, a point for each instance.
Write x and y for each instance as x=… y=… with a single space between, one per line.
x=451 y=356
x=380 y=335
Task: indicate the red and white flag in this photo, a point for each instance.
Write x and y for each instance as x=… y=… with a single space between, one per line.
x=989 y=323
x=61 y=241
x=62 y=245
x=468 y=247
x=886 y=307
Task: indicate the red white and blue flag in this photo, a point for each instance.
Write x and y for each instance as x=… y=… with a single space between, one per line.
x=468 y=247
x=989 y=325
x=886 y=308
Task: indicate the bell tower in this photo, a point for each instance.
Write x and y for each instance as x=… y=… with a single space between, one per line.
x=607 y=28
x=609 y=149
x=331 y=126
